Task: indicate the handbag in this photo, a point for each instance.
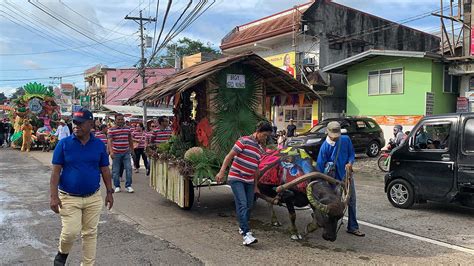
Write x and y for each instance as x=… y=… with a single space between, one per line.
x=330 y=168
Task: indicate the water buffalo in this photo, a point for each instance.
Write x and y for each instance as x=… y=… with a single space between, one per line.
x=284 y=177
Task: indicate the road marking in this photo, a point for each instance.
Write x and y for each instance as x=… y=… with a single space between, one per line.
x=412 y=236
x=420 y=238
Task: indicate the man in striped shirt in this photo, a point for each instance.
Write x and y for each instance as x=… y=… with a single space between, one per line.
x=101 y=133
x=163 y=132
x=139 y=139
x=120 y=149
x=245 y=157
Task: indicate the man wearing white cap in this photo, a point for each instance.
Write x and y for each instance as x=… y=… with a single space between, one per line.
x=62 y=131
x=337 y=156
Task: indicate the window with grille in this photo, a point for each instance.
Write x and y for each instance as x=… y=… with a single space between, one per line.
x=387 y=81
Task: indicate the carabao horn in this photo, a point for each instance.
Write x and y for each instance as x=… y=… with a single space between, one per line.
x=306 y=177
x=316 y=204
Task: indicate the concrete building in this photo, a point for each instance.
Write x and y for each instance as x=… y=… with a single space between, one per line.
x=113 y=86
x=396 y=87
x=304 y=39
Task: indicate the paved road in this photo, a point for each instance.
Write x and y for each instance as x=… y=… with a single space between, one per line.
x=29 y=229
x=209 y=231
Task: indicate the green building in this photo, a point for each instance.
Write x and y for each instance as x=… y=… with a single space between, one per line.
x=397 y=87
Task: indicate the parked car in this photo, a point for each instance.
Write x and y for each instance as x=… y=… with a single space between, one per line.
x=436 y=163
x=365 y=133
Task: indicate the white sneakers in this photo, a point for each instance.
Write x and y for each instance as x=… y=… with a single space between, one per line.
x=128 y=189
x=249 y=239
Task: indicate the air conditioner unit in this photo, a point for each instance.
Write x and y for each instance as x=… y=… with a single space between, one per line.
x=309 y=61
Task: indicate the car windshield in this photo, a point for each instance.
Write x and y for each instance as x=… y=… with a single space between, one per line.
x=321 y=128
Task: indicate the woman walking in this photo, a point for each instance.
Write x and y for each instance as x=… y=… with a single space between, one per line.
x=245 y=157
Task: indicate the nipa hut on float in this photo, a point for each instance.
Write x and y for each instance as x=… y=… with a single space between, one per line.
x=215 y=103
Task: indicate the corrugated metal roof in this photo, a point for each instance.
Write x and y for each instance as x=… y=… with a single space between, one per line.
x=279 y=81
x=343 y=65
x=276 y=24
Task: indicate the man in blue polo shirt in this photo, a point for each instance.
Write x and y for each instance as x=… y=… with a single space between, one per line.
x=78 y=162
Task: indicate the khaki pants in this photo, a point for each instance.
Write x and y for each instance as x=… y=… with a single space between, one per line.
x=80 y=215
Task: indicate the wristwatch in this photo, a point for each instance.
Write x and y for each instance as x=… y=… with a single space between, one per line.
x=110 y=190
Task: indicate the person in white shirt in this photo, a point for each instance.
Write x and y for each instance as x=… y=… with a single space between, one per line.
x=62 y=130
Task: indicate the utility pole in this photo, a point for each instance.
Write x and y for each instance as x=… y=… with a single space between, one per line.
x=140 y=20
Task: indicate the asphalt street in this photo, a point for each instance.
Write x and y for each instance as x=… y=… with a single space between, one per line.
x=143 y=228
x=29 y=230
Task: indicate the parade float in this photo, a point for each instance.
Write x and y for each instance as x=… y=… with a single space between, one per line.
x=37 y=108
x=214 y=103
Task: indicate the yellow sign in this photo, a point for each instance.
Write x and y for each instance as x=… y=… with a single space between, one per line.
x=284 y=61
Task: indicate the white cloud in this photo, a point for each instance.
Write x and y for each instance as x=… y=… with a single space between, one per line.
x=8 y=90
x=31 y=64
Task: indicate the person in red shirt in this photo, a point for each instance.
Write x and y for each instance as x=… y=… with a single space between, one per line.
x=163 y=132
x=120 y=150
x=245 y=157
x=101 y=133
x=139 y=139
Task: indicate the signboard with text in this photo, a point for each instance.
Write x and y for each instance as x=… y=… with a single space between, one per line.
x=462 y=105
x=285 y=61
x=235 y=81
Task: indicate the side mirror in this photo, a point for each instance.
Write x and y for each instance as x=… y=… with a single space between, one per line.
x=411 y=142
x=343 y=131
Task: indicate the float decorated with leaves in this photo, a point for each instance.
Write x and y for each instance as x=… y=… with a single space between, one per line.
x=38 y=107
x=214 y=104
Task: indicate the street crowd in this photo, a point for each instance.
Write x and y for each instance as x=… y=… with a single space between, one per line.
x=82 y=158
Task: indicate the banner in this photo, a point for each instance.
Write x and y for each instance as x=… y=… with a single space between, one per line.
x=285 y=61
x=85 y=101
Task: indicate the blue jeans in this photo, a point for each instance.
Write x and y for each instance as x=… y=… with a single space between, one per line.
x=243 y=197
x=119 y=160
x=352 y=224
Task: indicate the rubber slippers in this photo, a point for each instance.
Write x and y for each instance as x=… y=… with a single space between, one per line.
x=356 y=233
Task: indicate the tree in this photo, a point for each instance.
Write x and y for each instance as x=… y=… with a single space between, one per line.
x=18 y=93
x=183 y=47
x=3 y=98
x=78 y=92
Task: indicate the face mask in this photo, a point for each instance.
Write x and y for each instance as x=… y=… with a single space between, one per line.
x=330 y=141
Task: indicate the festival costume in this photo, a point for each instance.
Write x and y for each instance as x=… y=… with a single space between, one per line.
x=27 y=131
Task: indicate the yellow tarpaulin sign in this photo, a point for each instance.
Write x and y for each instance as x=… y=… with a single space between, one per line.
x=285 y=61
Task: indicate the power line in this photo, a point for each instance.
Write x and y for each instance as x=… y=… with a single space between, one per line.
x=63 y=50
x=41 y=78
x=387 y=26
x=41 y=69
x=91 y=21
x=74 y=29
x=49 y=28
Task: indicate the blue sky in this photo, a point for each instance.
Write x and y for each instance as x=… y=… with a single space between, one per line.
x=34 y=46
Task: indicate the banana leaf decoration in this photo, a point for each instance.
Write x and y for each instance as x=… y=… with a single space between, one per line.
x=38 y=90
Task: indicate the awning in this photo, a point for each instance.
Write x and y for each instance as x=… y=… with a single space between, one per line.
x=138 y=111
x=279 y=81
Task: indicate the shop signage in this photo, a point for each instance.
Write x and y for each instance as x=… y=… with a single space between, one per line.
x=235 y=81
x=285 y=61
x=429 y=104
x=85 y=101
x=471 y=97
x=462 y=105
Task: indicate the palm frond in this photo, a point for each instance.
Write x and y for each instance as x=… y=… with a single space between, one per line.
x=236 y=109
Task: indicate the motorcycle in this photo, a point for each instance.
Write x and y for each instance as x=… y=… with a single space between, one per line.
x=384 y=160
